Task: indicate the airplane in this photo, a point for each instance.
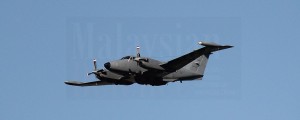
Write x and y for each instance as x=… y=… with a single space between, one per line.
x=147 y=71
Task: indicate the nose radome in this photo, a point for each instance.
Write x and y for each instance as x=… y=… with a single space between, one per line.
x=107 y=65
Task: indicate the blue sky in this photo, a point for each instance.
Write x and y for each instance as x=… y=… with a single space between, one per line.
x=44 y=43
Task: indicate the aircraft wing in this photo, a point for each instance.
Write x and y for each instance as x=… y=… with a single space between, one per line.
x=94 y=83
x=181 y=61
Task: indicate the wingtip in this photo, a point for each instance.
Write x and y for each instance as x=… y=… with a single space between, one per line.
x=68 y=82
x=229 y=46
x=74 y=83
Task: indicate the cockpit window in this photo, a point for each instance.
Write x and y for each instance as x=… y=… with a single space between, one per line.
x=126 y=57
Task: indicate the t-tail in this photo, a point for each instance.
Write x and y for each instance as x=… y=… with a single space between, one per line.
x=198 y=65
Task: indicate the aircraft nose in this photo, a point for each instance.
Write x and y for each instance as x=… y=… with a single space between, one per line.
x=107 y=65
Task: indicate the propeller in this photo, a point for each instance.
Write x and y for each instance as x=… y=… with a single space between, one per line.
x=95 y=64
x=138 y=58
x=96 y=71
x=138 y=55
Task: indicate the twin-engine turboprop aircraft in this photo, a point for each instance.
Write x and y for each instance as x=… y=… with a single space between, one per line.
x=147 y=71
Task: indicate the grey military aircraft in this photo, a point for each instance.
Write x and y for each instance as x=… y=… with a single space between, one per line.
x=147 y=71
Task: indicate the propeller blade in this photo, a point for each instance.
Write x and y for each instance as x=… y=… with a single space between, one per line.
x=95 y=65
x=93 y=72
x=88 y=74
x=101 y=70
x=97 y=72
x=138 y=55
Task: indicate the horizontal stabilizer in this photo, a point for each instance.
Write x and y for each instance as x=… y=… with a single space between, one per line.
x=208 y=44
x=211 y=44
x=214 y=46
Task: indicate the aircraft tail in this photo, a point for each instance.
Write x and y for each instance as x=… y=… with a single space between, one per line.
x=198 y=65
x=196 y=60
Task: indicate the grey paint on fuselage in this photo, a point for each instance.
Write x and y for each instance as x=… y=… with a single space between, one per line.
x=125 y=65
x=147 y=71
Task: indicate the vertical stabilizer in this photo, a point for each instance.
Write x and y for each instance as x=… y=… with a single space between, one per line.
x=198 y=66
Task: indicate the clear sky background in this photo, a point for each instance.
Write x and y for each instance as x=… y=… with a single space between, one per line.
x=257 y=79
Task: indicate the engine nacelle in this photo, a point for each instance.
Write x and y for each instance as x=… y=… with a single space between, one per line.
x=151 y=64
